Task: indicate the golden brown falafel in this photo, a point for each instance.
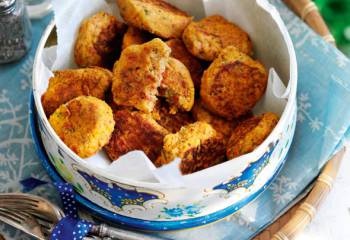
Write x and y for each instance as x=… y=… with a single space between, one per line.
x=155 y=16
x=72 y=83
x=207 y=37
x=233 y=84
x=138 y=74
x=250 y=133
x=198 y=145
x=135 y=131
x=114 y=70
x=177 y=86
x=179 y=51
x=171 y=122
x=221 y=125
x=84 y=124
x=99 y=41
x=113 y=105
x=135 y=36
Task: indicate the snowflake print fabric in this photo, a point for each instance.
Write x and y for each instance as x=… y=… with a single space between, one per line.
x=282 y=189
x=18 y=160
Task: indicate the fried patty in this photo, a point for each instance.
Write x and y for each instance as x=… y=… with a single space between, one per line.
x=135 y=131
x=138 y=74
x=155 y=16
x=207 y=37
x=99 y=41
x=198 y=145
x=171 y=122
x=221 y=125
x=233 y=84
x=84 y=124
x=72 y=83
x=113 y=105
x=179 y=51
x=135 y=36
x=250 y=133
x=115 y=67
x=177 y=86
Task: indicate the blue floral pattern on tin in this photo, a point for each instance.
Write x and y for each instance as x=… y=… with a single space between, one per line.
x=117 y=194
x=248 y=176
x=192 y=210
x=173 y=212
x=181 y=210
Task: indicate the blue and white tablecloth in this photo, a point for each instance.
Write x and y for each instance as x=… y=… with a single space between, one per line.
x=323 y=125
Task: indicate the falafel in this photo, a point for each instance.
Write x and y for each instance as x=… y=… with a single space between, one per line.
x=135 y=36
x=250 y=133
x=85 y=124
x=68 y=84
x=155 y=16
x=177 y=86
x=221 y=125
x=233 y=84
x=138 y=74
x=180 y=52
x=135 y=131
x=207 y=37
x=171 y=122
x=99 y=41
x=198 y=145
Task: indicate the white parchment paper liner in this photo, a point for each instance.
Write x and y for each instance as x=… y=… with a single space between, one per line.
x=269 y=47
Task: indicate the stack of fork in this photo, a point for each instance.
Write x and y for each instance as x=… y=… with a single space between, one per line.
x=37 y=217
x=29 y=214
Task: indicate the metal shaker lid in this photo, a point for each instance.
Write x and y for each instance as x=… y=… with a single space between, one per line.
x=6 y=4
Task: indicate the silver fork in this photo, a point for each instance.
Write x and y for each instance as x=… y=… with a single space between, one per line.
x=26 y=224
x=47 y=215
x=39 y=229
x=35 y=205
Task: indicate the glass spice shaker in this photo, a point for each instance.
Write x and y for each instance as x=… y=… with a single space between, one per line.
x=15 y=30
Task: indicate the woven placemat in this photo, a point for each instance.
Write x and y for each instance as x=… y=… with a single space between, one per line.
x=268 y=233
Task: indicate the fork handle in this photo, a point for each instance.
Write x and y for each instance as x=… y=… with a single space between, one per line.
x=104 y=230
